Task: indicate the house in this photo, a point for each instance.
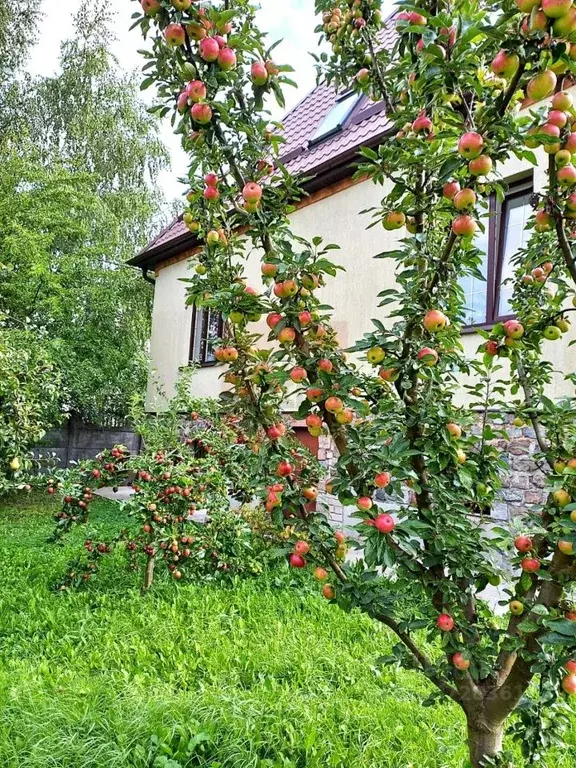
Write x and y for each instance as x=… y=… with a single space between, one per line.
x=324 y=133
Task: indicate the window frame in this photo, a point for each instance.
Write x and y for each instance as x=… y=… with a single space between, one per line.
x=315 y=140
x=498 y=216
x=202 y=315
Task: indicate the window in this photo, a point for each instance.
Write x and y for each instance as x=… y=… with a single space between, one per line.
x=488 y=300
x=336 y=117
x=206 y=327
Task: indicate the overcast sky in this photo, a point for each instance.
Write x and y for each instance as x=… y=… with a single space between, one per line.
x=291 y=20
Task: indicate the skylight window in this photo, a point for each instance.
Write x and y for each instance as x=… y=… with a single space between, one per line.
x=336 y=117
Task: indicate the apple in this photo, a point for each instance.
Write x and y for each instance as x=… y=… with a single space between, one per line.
x=269 y=270
x=470 y=145
x=313 y=420
x=211 y=194
x=315 y=394
x=211 y=179
x=345 y=416
x=301 y=547
x=461 y=456
x=382 y=479
x=387 y=374
x=523 y=543
x=480 y=166
x=226 y=58
x=460 y=662
x=252 y=192
x=15 y=464
x=196 y=31
x=569 y=684
x=375 y=355
x=273 y=319
x=552 y=333
x=329 y=592
x=298 y=374
x=384 y=523
x=182 y=103
x=287 y=336
x=464 y=225
x=562 y=158
x=563 y=324
x=454 y=430
x=566 y=176
x=562 y=101
x=284 y=468
x=516 y=608
x=276 y=431
x=311 y=494
x=530 y=564
x=570 y=666
x=566 y=547
x=196 y=91
x=150 y=7
x=543 y=221
x=297 y=561
x=434 y=321
x=564 y=27
x=428 y=356
x=527 y=5
x=201 y=113
x=422 y=124
x=364 y=503
x=325 y=365
x=491 y=348
x=209 y=49
x=175 y=35
x=542 y=85
x=305 y=317
x=393 y=220
x=570 y=615
x=450 y=189
x=466 y=198
x=561 y=497
x=557 y=117
x=181 y=5
x=334 y=404
x=259 y=73
x=514 y=329
x=320 y=574
x=445 y=622
x=505 y=64
x=363 y=76
x=555 y=9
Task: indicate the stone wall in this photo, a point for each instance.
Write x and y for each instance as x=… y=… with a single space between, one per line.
x=523 y=484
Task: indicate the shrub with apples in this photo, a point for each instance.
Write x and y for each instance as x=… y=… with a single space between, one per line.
x=453 y=82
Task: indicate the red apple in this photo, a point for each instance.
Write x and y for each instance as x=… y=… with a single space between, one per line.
x=301 y=548
x=196 y=91
x=259 y=73
x=297 y=561
x=364 y=503
x=450 y=189
x=422 y=124
x=470 y=145
x=480 y=166
x=464 y=199
x=325 y=365
x=384 y=523
x=382 y=479
x=334 y=404
x=523 y=543
x=201 y=113
x=460 y=662
x=284 y=468
x=428 y=356
x=252 y=192
x=569 y=684
x=464 y=225
x=174 y=35
x=454 y=430
x=320 y=574
x=445 y=622
x=150 y=7
x=542 y=85
x=298 y=374
x=287 y=336
x=530 y=564
x=434 y=320
x=505 y=64
x=269 y=270
x=329 y=592
x=209 y=49
x=226 y=58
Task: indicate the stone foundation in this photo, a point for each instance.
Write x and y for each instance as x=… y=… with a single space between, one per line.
x=523 y=484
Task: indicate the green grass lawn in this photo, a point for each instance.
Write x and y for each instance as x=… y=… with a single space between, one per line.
x=260 y=675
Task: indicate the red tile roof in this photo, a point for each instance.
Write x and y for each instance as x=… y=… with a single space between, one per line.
x=366 y=124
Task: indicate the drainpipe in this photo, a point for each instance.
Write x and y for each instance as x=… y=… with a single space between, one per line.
x=146 y=277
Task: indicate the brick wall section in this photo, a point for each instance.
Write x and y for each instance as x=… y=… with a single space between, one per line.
x=523 y=484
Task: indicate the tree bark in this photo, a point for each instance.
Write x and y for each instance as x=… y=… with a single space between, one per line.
x=149 y=574
x=484 y=741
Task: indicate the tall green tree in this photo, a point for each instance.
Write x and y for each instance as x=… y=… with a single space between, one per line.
x=78 y=197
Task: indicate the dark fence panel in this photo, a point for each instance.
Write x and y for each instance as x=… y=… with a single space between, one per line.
x=75 y=441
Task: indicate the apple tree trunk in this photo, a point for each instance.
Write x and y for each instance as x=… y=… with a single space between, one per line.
x=484 y=741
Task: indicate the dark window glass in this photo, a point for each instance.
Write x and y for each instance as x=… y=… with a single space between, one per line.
x=336 y=117
x=206 y=328
x=488 y=300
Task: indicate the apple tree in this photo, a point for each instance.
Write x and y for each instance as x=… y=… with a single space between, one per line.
x=453 y=82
